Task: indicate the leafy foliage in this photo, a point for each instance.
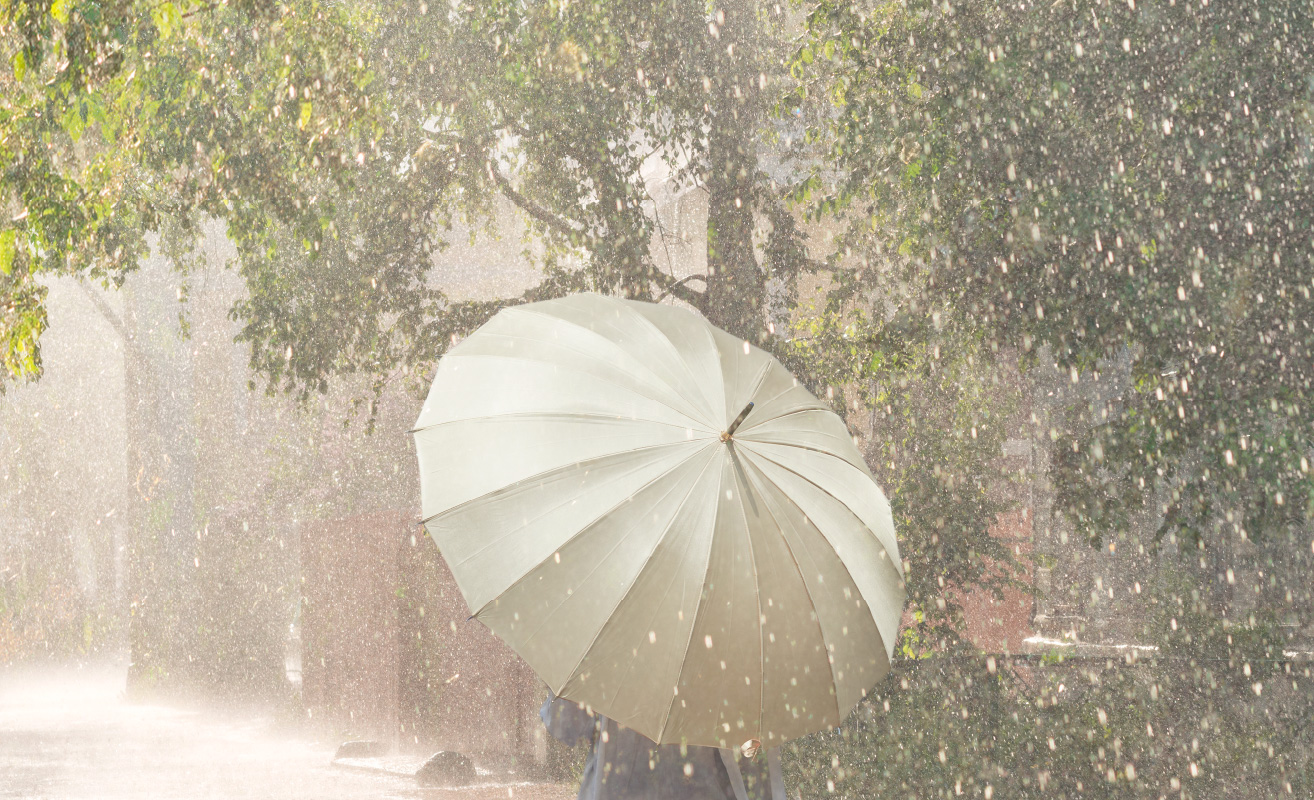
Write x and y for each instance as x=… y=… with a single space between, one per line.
x=1107 y=182
x=1216 y=709
x=121 y=116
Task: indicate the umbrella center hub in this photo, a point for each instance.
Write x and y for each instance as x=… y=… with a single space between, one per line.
x=725 y=436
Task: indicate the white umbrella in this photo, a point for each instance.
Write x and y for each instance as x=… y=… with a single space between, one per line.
x=700 y=583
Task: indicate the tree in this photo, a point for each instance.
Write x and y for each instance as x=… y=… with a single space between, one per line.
x=1119 y=192
x=121 y=117
x=557 y=109
x=1113 y=182
x=117 y=125
x=340 y=148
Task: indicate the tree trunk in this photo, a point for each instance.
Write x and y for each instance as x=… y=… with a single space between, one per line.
x=161 y=468
x=736 y=285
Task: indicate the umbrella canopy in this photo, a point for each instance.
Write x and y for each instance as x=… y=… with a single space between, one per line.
x=695 y=583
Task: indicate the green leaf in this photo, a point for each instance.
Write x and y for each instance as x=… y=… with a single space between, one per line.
x=94 y=109
x=7 y=250
x=304 y=119
x=73 y=122
x=20 y=66
x=59 y=10
x=166 y=19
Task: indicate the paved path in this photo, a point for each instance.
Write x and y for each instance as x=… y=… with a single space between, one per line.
x=66 y=735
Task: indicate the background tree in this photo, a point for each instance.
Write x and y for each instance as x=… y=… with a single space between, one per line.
x=118 y=119
x=560 y=109
x=1128 y=186
x=1118 y=194
x=340 y=148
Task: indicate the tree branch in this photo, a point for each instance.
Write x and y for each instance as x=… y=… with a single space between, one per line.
x=531 y=208
x=200 y=9
x=677 y=288
x=105 y=310
x=669 y=285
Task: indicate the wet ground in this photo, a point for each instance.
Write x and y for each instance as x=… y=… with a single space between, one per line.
x=68 y=734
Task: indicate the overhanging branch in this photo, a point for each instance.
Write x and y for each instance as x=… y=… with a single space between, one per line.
x=105 y=310
x=678 y=288
x=531 y=208
x=670 y=286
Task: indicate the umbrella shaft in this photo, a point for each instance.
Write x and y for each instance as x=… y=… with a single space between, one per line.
x=739 y=419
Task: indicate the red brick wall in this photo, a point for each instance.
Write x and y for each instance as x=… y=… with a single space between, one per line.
x=999 y=626
x=389 y=654
x=486 y=699
x=349 y=623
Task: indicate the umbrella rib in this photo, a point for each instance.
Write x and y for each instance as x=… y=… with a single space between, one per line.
x=816 y=613
x=715 y=406
x=651 y=379
x=656 y=606
x=765 y=420
x=647 y=560
x=761 y=375
x=614 y=548
x=643 y=320
x=898 y=572
x=538 y=476
x=804 y=447
x=658 y=400
x=693 y=626
x=593 y=522
x=547 y=415
x=898 y=568
x=680 y=359
x=757 y=593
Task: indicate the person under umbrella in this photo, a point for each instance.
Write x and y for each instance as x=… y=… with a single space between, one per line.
x=626 y=765
x=669 y=529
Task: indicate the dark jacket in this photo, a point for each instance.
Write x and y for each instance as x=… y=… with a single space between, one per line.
x=625 y=765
